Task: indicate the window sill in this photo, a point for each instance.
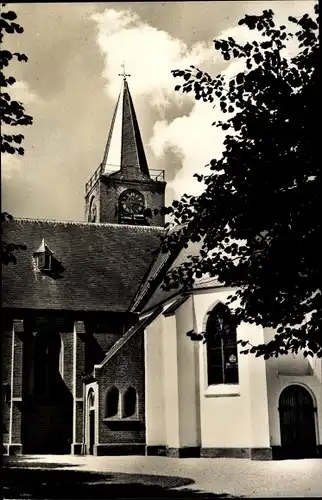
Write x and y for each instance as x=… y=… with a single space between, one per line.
x=121 y=419
x=222 y=390
x=124 y=424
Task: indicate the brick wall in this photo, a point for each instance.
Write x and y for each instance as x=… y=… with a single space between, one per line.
x=124 y=369
x=44 y=425
x=68 y=342
x=6 y=375
x=111 y=190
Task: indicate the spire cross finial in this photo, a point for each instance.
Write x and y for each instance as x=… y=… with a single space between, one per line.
x=124 y=74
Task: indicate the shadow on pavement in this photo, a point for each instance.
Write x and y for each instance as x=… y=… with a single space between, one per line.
x=31 y=479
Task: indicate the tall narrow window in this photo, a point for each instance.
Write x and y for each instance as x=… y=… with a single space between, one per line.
x=129 y=402
x=92 y=213
x=222 y=356
x=91 y=399
x=112 y=402
x=61 y=358
x=46 y=364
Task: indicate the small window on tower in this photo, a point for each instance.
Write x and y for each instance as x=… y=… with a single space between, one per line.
x=92 y=213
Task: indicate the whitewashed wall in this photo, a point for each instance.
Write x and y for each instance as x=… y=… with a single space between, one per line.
x=188 y=402
x=172 y=403
x=154 y=384
x=232 y=416
x=171 y=382
x=182 y=410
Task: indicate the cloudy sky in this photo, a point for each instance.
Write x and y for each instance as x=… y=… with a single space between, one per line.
x=70 y=86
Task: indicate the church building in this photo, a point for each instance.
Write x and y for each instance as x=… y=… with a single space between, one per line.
x=96 y=357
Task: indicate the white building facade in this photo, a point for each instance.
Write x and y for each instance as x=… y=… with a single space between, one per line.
x=260 y=409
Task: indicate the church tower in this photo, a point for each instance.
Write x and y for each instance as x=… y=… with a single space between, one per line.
x=123 y=190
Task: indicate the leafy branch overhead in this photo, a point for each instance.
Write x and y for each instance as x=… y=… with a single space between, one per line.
x=8 y=249
x=258 y=219
x=12 y=113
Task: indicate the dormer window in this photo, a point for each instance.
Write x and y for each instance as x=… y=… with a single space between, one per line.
x=47 y=263
x=44 y=257
x=44 y=261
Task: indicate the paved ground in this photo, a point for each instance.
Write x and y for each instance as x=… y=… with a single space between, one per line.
x=67 y=476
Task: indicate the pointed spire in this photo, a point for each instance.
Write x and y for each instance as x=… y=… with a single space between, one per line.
x=124 y=150
x=44 y=248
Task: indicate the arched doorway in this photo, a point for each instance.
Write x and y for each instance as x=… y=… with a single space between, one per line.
x=297 y=423
x=91 y=422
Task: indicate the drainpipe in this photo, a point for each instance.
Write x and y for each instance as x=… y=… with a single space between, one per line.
x=84 y=420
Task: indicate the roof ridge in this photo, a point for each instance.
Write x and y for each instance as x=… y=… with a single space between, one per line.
x=90 y=224
x=108 y=144
x=126 y=95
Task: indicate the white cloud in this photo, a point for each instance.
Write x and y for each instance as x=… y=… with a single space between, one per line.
x=149 y=55
x=197 y=141
x=193 y=135
x=10 y=166
x=20 y=91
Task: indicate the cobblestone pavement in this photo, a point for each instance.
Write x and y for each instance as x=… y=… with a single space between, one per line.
x=220 y=476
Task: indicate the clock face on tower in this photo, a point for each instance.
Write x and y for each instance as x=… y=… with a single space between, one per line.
x=131 y=203
x=92 y=214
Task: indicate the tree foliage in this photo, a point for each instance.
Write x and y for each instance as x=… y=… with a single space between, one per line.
x=258 y=219
x=12 y=112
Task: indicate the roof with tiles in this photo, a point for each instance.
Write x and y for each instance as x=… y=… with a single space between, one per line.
x=154 y=276
x=104 y=265
x=158 y=270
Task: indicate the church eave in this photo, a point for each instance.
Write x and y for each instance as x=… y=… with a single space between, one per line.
x=147 y=182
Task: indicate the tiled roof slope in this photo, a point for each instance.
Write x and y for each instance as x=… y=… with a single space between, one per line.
x=160 y=295
x=104 y=265
x=161 y=262
x=158 y=268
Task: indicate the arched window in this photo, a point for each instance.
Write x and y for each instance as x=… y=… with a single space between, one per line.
x=91 y=399
x=222 y=356
x=92 y=213
x=129 y=402
x=112 y=402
